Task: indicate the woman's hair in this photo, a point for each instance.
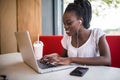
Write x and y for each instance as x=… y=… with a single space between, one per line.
x=82 y=9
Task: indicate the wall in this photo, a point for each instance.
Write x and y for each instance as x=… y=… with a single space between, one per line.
x=18 y=15
x=29 y=17
x=7 y=26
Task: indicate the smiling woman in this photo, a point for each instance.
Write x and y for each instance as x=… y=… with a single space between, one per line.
x=81 y=44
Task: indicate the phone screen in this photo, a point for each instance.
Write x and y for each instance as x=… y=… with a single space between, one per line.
x=79 y=71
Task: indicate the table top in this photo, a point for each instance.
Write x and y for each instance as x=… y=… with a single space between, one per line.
x=14 y=68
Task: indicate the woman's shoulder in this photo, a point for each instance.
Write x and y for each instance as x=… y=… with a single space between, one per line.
x=97 y=31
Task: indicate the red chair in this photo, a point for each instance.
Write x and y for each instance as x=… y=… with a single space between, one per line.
x=52 y=44
x=114 y=44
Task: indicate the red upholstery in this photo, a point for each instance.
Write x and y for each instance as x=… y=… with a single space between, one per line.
x=114 y=44
x=53 y=44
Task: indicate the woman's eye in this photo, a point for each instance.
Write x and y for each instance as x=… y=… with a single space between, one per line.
x=69 y=23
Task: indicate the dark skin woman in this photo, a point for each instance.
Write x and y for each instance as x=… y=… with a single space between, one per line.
x=81 y=44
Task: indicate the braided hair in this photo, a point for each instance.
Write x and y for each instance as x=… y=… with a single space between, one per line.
x=82 y=8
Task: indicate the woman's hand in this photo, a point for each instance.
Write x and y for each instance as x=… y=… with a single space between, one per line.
x=62 y=61
x=49 y=58
x=55 y=59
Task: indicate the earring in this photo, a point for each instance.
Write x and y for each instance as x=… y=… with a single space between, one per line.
x=80 y=21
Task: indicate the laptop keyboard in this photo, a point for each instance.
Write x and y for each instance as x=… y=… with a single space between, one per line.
x=44 y=65
x=49 y=65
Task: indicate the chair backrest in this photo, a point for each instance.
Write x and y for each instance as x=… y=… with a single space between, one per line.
x=114 y=44
x=53 y=44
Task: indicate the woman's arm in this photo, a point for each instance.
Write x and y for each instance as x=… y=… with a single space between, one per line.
x=64 y=53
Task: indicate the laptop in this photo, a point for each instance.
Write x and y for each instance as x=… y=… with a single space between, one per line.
x=27 y=52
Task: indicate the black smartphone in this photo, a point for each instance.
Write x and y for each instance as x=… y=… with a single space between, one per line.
x=79 y=71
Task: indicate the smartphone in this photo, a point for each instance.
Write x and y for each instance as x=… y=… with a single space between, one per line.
x=79 y=71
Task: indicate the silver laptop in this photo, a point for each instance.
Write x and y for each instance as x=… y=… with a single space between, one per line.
x=26 y=49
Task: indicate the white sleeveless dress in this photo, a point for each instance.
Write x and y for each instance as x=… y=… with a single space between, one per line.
x=88 y=49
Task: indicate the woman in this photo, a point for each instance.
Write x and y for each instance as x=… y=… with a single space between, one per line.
x=81 y=45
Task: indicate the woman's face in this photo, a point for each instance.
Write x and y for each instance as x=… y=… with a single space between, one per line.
x=71 y=23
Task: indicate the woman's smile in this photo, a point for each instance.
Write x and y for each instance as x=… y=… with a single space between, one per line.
x=67 y=32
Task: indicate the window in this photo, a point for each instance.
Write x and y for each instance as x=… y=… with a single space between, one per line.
x=105 y=15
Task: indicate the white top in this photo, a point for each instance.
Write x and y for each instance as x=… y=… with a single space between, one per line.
x=88 y=49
